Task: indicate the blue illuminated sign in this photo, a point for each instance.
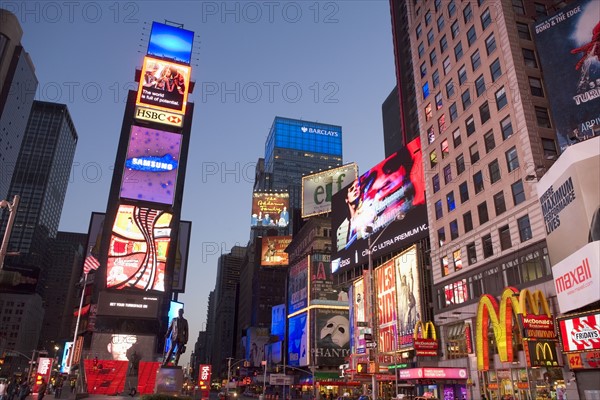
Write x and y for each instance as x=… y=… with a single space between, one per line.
x=307 y=136
x=171 y=43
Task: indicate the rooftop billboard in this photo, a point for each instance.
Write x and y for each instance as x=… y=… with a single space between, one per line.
x=390 y=194
x=170 y=43
x=318 y=189
x=273 y=251
x=270 y=209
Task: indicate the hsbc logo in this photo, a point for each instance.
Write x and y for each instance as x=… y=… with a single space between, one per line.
x=161 y=117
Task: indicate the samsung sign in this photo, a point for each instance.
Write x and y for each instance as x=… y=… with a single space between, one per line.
x=318 y=131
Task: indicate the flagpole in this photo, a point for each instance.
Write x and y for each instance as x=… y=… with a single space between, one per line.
x=71 y=355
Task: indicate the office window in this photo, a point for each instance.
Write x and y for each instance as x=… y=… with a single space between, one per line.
x=506 y=128
x=484 y=112
x=488 y=247
x=455 y=29
x=490 y=44
x=452 y=8
x=518 y=7
x=523 y=30
x=440 y=23
x=457 y=140
x=480 y=86
x=471 y=253
x=471 y=36
x=441 y=236
x=458 y=51
x=438 y=101
x=433 y=159
x=499 y=203
x=542 y=117
x=488 y=140
x=456 y=256
x=460 y=164
x=475 y=60
x=450 y=202
x=431 y=134
x=468 y=221
x=435 y=77
x=463 y=189
x=419 y=31
x=474 y=152
x=453 y=112
x=524 y=228
x=453 y=229
x=486 y=19
x=442 y=124
x=501 y=99
x=421 y=49
x=423 y=70
x=478 y=181
x=535 y=84
x=504 y=234
x=425 y=90
x=447 y=174
x=447 y=65
x=439 y=213
x=470 y=125
x=462 y=75
x=450 y=89
x=432 y=58
x=428 y=112
x=435 y=183
x=444 y=264
x=549 y=147
x=496 y=70
x=467 y=13
x=428 y=17
x=512 y=159
x=518 y=192
x=540 y=10
x=529 y=58
x=443 y=44
x=466 y=99
x=430 y=37
x=494 y=170
x=445 y=148
x=482 y=211
x=437 y=4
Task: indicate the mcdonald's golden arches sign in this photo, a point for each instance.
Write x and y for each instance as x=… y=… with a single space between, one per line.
x=425 y=339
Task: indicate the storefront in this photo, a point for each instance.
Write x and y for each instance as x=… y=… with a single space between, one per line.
x=437 y=383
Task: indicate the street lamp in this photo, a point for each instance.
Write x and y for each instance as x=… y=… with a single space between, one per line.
x=371 y=289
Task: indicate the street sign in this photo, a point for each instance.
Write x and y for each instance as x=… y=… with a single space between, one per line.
x=371 y=345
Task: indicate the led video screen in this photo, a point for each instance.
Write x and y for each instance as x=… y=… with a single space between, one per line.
x=123 y=347
x=164 y=85
x=170 y=42
x=390 y=194
x=138 y=248
x=134 y=305
x=181 y=257
x=298 y=341
x=151 y=165
x=270 y=209
x=273 y=250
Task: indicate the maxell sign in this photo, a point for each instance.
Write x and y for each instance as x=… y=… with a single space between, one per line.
x=317 y=189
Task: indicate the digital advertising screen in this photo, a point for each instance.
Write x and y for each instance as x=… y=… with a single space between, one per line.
x=256 y=340
x=181 y=257
x=390 y=197
x=298 y=351
x=134 y=305
x=408 y=295
x=321 y=281
x=19 y=278
x=151 y=165
x=273 y=251
x=171 y=43
x=138 y=248
x=298 y=286
x=270 y=209
x=123 y=347
x=65 y=361
x=164 y=85
x=331 y=334
x=567 y=46
x=278 y=321
x=385 y=284
x=318 y=189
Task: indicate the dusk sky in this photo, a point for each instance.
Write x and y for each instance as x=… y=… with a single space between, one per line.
x=325 y=61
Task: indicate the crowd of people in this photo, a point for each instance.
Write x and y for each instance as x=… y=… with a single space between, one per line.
x=21 y=388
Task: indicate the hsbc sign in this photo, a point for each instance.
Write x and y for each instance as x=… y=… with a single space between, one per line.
x=158 y=116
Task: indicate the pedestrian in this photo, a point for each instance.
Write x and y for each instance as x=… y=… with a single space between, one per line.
x=3 y=389
x=58 y=388
x=42 y=389
x=13 y=386
x=24 y=390
x=72 y=385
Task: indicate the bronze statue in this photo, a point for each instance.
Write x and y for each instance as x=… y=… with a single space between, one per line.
x=178 y=333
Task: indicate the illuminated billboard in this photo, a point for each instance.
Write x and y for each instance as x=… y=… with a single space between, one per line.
x=151 y=165
x=181 y=257
x=298 y=341
x=137 y=253
x=321 y=281
x=318 y=189
x=390 y=194
x=122 y=347
x=567 y=46
x=408 y=295
x=298 y=286
x=273 y=251
x=387 y=327
x=256 y=340
x=581 y=333
x=270 y=209
x=127 y=305
x=164 y=85
x=358 y=326
x=331 y=335
x=170 y=43
x=278 y=321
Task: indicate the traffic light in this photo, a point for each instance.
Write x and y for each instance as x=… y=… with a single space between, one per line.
x=361 y=368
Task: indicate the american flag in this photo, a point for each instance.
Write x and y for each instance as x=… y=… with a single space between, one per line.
x=90 y=263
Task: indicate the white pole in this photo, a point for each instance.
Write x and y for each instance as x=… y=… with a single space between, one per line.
x=265 y=378
x=72 y=352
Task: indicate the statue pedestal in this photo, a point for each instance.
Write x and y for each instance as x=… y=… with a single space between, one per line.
x=169 y=380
